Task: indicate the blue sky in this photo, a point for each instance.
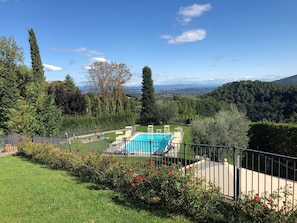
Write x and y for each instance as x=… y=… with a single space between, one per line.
x=182 y=41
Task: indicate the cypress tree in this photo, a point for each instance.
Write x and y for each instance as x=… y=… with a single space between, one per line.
x=37 y=68
x=47 y=116
x=148 y=97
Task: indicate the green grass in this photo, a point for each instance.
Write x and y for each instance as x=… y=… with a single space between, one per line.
x=79 y=146
x=31 y=192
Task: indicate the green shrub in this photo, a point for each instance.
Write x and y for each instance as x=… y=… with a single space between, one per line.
x=265 y=207
x=82 y=124
x=227 y=128
x=275 y=138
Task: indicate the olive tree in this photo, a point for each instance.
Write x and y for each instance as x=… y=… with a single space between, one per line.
x=227 y=128
x=165 y=111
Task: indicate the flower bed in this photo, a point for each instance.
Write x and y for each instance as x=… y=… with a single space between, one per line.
x=161 y=185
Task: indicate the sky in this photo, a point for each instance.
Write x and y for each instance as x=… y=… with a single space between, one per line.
x=182 y=41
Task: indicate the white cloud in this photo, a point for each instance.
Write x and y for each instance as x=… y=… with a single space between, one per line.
x=187 y=36
x=95 y=59
x=99 y=59
x=50 y=67
x=190 y=12
x=86 y=52
x=81 y=51
x=87 y=67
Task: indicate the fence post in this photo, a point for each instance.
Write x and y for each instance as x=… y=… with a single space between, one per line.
x=151 y=150
x=234 y=173
x=185 y=156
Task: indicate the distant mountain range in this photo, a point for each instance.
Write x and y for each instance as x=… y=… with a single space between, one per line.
x=288 y=81
x=188 y=89
x=174 y=89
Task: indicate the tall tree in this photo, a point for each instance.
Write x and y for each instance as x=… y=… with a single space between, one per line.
x=36 y=113
x=148 y=97
x=11 y=59
x=107 y=79
x=37 y=67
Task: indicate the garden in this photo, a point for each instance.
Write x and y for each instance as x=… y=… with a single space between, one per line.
x=153 y=186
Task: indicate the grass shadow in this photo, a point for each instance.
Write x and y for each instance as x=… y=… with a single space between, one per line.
x=155 y=209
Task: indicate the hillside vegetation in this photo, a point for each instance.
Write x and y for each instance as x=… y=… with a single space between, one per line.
x=260 y=100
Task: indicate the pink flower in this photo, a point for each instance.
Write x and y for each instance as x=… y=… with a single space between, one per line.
x=169 y=174
x=138 y=179
x=256 y=198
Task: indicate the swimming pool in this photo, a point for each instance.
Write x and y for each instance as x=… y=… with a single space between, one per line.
x=148 y=143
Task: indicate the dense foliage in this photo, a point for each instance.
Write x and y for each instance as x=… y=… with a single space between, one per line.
x=226 y=128
x=25 y=106
x=69 y=99
x=165 y=111
x=260 y=100
x=80 y=124
x=11 y=60
x=274 y=138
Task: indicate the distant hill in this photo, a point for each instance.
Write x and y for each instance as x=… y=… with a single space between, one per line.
x=166 y=90
x=173 y=90
x=261 y=100
x=288 y=81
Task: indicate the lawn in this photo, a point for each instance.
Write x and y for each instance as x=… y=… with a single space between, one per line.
x=31 y=192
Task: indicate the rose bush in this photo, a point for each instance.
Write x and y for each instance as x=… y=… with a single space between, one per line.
x=169 y=187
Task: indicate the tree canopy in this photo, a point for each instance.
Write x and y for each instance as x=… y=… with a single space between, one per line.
x=260 y=100
x=34 y=112
x=228 y=127
x=107 y=79
x=11 y=60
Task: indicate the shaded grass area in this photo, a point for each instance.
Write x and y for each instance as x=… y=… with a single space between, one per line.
x=79 y=146
x=31 y=192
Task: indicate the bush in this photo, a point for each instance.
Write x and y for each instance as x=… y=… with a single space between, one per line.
x=279 y=138
x=265 y=207
x=227 y=128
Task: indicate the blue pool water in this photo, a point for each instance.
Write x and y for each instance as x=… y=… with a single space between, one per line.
x=148 y=142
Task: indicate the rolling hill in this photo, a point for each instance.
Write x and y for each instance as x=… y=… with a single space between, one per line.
x=288 y=81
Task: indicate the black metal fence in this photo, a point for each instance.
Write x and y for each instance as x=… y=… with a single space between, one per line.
x=237 y=171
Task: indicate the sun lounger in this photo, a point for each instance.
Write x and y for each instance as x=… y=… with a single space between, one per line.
x=150 y=128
